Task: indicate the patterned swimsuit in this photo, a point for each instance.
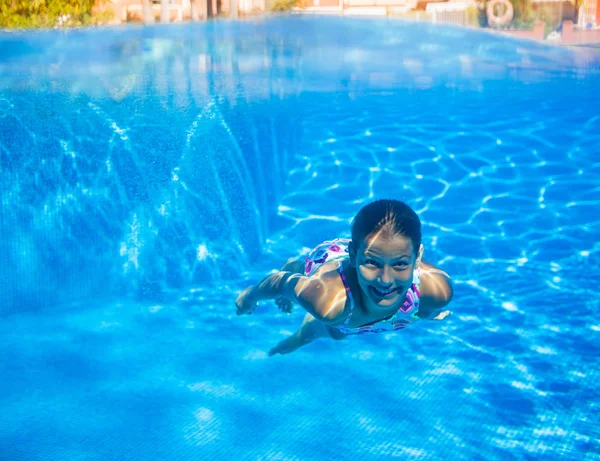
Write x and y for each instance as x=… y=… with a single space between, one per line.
x=337 y=250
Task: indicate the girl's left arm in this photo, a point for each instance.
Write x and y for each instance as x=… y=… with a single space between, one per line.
x=436 y=292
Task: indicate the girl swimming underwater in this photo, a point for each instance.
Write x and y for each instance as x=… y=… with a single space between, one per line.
x=376 y=282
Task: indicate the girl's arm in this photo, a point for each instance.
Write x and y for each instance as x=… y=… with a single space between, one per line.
x=295 y=265
x=323 y=295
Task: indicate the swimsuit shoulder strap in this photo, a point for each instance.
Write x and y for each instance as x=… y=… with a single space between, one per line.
x=348 y=292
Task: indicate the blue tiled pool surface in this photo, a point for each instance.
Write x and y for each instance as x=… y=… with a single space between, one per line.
x=149 y=174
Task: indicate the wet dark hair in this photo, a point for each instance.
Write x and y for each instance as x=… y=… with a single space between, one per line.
x=396 y=215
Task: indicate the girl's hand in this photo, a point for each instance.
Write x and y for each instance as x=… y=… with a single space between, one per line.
x=433 y=314
x=442 y=315
x=285 y=305
x=245 y=302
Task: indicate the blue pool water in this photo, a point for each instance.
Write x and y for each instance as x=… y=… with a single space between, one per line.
x=149 y=174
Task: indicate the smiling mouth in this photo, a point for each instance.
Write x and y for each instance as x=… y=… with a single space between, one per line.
x=383 y=293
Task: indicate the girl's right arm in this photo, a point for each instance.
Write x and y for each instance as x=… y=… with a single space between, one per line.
x=322 y=295
x=295 y=265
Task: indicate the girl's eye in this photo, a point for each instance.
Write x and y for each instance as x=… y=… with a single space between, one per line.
x=370 y=262
x=401 y=265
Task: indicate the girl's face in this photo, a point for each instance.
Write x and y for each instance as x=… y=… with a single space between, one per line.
x=384 y=266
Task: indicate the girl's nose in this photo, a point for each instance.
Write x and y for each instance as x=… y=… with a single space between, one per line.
x=385 y=276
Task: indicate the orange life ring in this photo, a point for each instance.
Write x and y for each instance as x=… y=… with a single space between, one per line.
x=502 y=19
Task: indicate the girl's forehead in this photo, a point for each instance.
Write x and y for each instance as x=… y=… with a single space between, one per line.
x=379 y=243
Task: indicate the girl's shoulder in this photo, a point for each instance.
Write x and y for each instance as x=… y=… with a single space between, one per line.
x=436 y=287
x=326 y=293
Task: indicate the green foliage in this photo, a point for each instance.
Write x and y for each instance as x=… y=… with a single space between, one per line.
x=49 y=13
x=523 y=14
x=472 y=16
x=285 y=5
x=551 y=17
